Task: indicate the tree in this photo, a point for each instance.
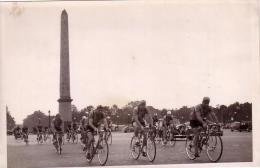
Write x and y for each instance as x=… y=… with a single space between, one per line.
x=10 y=122
x=32 y=120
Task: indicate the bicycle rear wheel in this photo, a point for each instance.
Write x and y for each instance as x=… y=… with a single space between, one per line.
x=102 y=152
x=135 y=147
x=214 y=148
x=189 y=148
x=151 y=150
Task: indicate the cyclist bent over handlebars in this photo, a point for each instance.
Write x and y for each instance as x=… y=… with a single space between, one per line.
x=96 y=118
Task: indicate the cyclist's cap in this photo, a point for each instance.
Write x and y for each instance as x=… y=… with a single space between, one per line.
x=206 y=99
x=169 y=112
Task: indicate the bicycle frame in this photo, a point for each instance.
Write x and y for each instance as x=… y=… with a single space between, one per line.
x=205 y=134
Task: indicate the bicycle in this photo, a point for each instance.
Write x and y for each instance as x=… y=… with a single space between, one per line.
x=74 y=136
x=169 y=137
x=101 y=149
x=137 y=145
x=209 y=138
x=58 y=138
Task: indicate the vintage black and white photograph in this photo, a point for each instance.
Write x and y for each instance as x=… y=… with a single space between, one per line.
x=121 y=83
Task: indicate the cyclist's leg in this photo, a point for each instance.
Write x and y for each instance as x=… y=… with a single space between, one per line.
x=90 y=137
x=196 y=132
x=195 y=125
x=136 y=130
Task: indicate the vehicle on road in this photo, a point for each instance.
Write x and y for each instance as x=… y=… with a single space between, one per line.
x=241 y=126
x=9 y=132
x=128 y=129
x=114 y=127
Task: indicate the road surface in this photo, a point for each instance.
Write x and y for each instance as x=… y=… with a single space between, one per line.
x=237 y=148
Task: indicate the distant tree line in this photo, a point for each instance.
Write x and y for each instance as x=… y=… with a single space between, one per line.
x=123 y=115
x=10 y=122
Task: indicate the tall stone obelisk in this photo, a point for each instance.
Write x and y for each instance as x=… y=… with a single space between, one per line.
x=64 y=100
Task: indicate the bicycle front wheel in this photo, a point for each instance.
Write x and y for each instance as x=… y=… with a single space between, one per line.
x=135 y=147
x=151 y=149
x=102 y=151
x=189 y=148
x=214 y=148
x=91 y=153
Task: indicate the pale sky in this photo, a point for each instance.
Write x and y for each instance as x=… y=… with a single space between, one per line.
x=170 y=54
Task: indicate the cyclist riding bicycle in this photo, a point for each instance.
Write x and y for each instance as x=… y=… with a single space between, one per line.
x=57 y=126
x=139 y=114
x=25 y=130
x=83 y=129
x=155 y=120
x=198 y=119
x=74 y=125
x=39 y=128
x=167 y=123
x=96 y=118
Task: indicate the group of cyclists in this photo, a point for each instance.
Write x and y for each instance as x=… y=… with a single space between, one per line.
x=198 y=121
x=142 y=119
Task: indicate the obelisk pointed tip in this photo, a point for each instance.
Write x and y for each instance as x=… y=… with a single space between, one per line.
x=64 y=12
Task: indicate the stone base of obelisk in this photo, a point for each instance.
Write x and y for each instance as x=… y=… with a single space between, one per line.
x=65 y=111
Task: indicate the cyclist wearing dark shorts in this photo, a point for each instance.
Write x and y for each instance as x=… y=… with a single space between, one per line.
x=57 y=126
x=139 y=114
x=198 y=117
x=167 y=122
x=96 y=118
